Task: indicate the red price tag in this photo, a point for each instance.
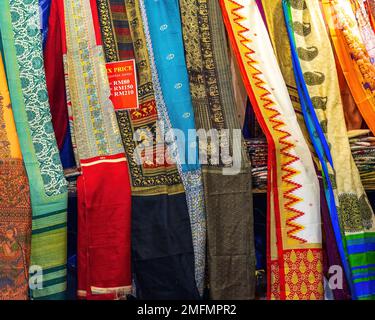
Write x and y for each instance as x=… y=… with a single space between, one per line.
x=122 y=77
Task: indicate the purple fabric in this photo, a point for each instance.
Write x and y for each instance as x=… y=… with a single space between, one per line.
x=260 y=6
x=331 y=253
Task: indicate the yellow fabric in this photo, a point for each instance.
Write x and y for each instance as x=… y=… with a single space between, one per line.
x=280 y=42
x=10 y=128
x=15 y=208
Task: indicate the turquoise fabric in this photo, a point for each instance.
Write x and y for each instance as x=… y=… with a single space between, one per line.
x=166 y=35
x=191 y=179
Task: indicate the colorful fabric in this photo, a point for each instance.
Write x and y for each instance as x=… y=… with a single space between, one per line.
x=332 y=257
x=362 y=145
x=104 y=223
x=164 y=25
x=295 y=258
x=365 y=28
x=103 y=188
x=279 y=38
x=318 y=139
x=175 y=111
x=354 y=211
x=261 y=10
x=44 y=6
x=22 y=45
x=370 y=7
x=15 y=207
x=353 y=117
x=353 y=56
x=228 y=198
x=54 y=68
x=162 y=250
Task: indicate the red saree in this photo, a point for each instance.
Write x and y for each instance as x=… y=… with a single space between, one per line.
x=54 y=68
x=103 y=189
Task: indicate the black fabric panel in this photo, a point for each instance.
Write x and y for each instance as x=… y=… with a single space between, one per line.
x=162 y=248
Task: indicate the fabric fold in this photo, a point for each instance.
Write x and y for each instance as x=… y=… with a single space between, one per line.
x=228 y=197
x=175 y=110
x=103 y=188
x=22 y=45
x=15 y=207
x=318 y=140
x=356 y=218
x=54 y=67
x=353 y=56
x=294 y=238
x=162 y=247
x=280 y=40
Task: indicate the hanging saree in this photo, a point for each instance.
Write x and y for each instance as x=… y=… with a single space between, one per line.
x=365 y=28
x=103 y=188
x=54 y=66
x=228 y=198
x=239 y=90
x=318 y=139
x=320 y=143
x=175 y=110
x=168 y=53
x=22 y=44
x=15 y=207
x=294 y=253
x=352 y=54
x=279 y=36
x=162 y=248
x=307 y=29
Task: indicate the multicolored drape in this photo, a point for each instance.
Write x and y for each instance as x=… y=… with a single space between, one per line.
x=370 y=7
x=365 y=28
x=316 y=132
x=279 y=37
x=294 y=227
x=103 y=188
x=307 y=30
x=228 y=198
x=15 y=207
x=22 y=44
x=352 y=54
x=162 y=249
x=175 y=110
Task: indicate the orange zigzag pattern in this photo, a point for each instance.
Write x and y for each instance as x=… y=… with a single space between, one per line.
x=288 y=171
